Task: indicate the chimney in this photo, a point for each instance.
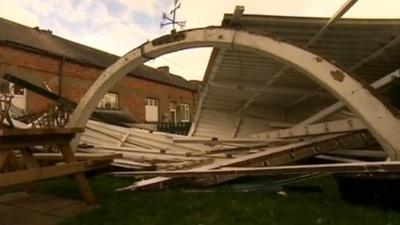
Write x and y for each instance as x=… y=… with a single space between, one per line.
x=165 y=69
x=43 y=30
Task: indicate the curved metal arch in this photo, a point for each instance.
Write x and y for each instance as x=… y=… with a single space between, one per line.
x=377 y=117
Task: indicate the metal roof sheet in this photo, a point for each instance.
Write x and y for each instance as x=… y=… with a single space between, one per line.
x=368 y=48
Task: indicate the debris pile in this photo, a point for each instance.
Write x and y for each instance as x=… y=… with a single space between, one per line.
x=168 y=157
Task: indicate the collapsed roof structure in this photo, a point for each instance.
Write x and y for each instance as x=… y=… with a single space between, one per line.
x=269 y=83
x=248 y=93
x=269 y=72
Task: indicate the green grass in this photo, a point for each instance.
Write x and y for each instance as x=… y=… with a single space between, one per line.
x=219 y=205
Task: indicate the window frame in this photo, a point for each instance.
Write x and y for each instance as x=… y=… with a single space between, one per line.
x=185 y=112
x=102 y=104
x=155 y=102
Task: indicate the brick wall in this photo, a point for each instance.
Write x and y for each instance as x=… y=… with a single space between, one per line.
x=77 y=78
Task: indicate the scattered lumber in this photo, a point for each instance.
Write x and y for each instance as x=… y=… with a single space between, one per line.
x=364 y=167
x=160 y=150
x=161 y=153
x=279 y=155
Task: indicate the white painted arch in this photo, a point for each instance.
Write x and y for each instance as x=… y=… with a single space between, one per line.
x=380 y=121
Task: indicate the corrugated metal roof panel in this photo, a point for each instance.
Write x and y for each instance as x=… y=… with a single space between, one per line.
x=346 y=43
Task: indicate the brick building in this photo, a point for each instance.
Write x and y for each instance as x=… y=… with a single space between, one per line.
x=69 y=69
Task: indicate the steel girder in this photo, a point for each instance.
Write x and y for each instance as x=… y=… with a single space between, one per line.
x=380 y=121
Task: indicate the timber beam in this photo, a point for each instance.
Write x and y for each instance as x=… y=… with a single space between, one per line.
x=331 y=127
x=42 y=173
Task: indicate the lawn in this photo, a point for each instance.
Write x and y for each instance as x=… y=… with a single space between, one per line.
x=218 y=205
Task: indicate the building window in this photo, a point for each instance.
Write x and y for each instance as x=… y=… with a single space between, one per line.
x=151 y=109
x=172 y=112
x=185 y=111
x=19 y=99
x=109 y=101
x=17 y=90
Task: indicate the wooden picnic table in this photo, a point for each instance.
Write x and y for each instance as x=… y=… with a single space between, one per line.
x=25 y=139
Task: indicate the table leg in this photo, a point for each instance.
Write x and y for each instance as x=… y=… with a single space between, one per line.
x=80 y=178
x=31 y=163
x=30 y=160
x=3 y=159
x=12 y=161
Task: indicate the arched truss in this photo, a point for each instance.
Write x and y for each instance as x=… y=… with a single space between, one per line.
x=380 y=121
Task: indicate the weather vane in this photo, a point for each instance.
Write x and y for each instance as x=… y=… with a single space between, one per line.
x=166 y=20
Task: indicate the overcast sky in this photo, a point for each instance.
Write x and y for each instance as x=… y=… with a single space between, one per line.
x=117 y=26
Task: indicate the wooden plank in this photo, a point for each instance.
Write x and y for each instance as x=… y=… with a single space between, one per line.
x=130 y=163
x=12 y=162
x=150 y=151
x=150 y=155
x=30 y=160
x=31 y=163
x=364 y=167
x=222 y=140
x=249 y=147
x=3 y=159
x=139 y=138
x=44 y=131
x=123 y=139
x=15 y=142
x=30 y=175
x=332 y=127
x=79 y=156
x=142 y=138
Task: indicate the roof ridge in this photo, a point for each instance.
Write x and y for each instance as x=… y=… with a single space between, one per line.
x=64 y=42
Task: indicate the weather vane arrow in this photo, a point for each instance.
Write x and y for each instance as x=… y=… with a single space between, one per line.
x=167 y=20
